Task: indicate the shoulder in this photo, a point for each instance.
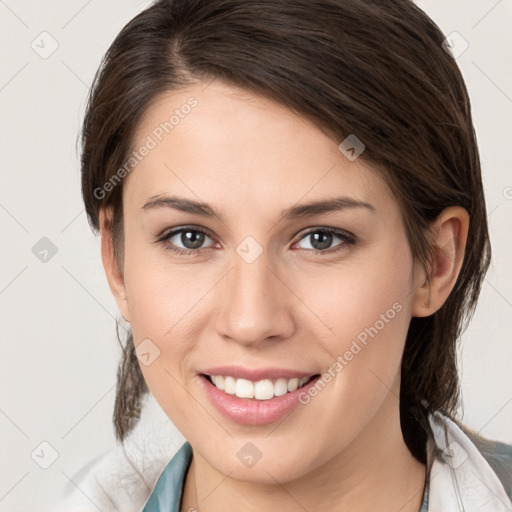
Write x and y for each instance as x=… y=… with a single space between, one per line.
x=497 y=454
x=480 y=466
x=123 y=477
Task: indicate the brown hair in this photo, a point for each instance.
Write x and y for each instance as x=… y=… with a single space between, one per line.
x=373 y=68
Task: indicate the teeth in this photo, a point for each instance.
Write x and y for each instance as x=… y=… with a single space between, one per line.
x=244 y=388
x=229 y=385
x=264 y=390
x=218 y=380
x=293 y=384
x=280 y=387
x=261 y=390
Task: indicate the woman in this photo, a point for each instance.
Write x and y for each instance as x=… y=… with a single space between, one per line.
x=293 y=224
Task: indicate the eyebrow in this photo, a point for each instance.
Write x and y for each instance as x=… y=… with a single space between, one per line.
x=298 y=211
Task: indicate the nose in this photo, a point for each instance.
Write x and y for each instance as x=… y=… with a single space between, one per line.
x=255 y=304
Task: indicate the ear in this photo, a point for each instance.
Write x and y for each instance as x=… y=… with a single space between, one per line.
x=113 y=272
x=448 y=238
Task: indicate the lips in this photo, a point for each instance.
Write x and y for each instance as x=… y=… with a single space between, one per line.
x=240 y=403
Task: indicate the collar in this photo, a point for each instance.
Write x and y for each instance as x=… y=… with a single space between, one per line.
x=461 y=479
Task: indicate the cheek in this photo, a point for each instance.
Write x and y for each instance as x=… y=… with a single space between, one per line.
x=165 y=309
x=351 y=298
x=365 y=312
x=367 y=308
x=169 y=305
x=159 y=294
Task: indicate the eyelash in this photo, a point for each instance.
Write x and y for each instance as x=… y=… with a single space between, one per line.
x=347 y=240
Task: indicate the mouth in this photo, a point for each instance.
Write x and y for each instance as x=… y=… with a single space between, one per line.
x=265 y=389
x=270 y=397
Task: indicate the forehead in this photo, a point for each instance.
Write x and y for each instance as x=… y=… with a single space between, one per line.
x=219 y=143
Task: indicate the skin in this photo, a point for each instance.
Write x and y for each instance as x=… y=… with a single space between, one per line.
x=250 y=158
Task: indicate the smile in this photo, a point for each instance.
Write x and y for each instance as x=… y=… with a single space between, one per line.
x=270 y=397
x=265 y=389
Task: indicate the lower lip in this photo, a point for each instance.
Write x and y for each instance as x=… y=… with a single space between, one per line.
x=249 y=411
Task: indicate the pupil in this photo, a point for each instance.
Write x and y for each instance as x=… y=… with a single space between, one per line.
x=321 y=240
x=192 y=239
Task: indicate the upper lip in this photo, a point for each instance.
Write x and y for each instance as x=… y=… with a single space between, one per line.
x=256 y=374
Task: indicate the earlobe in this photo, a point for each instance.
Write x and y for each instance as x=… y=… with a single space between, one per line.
x=448 y=238
x=114 y=274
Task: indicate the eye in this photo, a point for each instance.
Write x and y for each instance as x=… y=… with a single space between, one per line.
x=321 y=240
x=191 y=240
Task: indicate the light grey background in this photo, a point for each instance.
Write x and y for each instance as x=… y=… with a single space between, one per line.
x=58 y=348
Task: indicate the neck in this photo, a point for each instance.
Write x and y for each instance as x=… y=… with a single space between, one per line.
x=375 y=472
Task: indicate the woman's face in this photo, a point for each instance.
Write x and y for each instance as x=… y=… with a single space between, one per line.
x=271 y=291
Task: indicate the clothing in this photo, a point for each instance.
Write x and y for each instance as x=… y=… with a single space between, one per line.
x=169 y=488
x=124 y=478
x=468 y=473
x=460 y=477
